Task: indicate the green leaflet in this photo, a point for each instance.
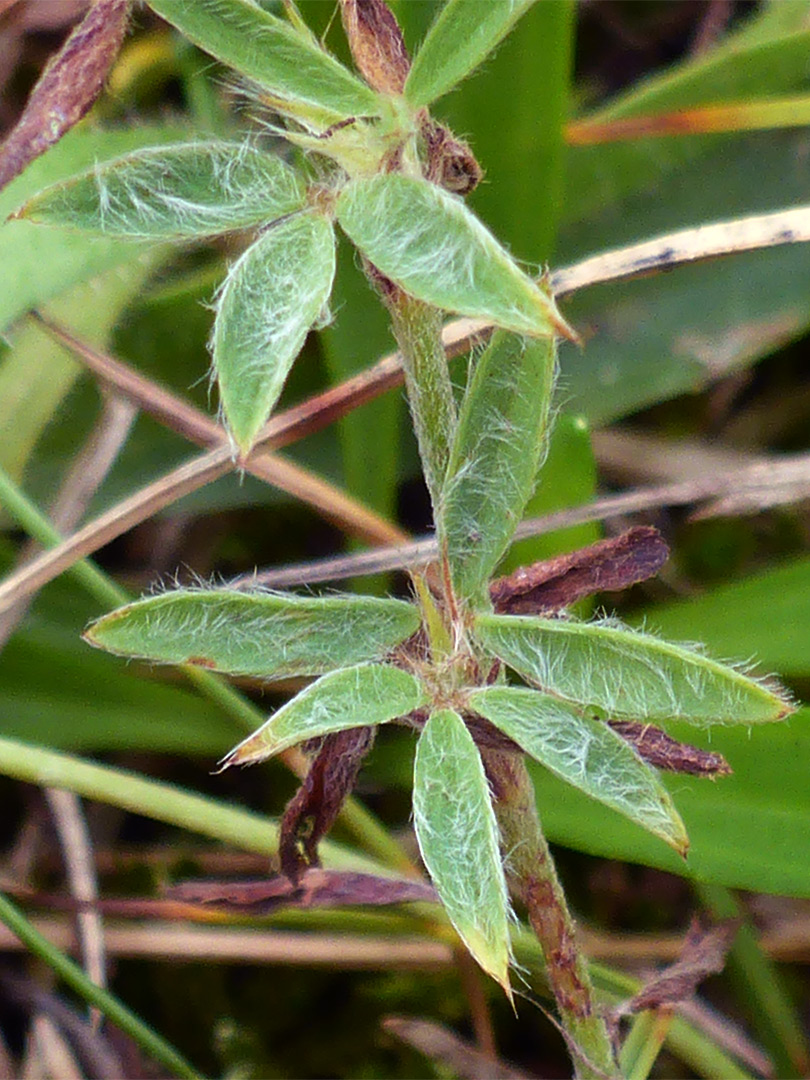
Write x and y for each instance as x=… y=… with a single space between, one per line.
x=428 y=242
x=173 y=192
x=499 y=445
x=627 y=674
x=354 y=697
x=269 y=301
x=278 y=57
x=458 y=838
x=585 y=753
x=463 y=34
x=264 y=634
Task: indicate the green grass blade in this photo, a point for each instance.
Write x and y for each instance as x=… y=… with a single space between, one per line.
x=368 y=694
x=148 y=1040
x=272 y=635
x=628 y=674
x=586 y=753
x=173 y=192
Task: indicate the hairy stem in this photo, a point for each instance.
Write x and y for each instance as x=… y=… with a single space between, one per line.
x=417 y=328
x=533 y=881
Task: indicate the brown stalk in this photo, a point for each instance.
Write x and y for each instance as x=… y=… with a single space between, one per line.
x=68 y=87
x=180 y=416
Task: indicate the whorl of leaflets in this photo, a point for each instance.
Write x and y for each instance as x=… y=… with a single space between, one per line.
x=458 y=838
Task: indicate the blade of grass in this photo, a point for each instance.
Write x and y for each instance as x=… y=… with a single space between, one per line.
x=149 y=1041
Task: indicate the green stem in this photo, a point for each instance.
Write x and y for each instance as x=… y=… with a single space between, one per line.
x=533 y=880
x=417 y=328
x=109 y=1005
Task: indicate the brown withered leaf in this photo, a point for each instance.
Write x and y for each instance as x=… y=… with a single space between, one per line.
x=378 y=48
x=704 y=953
x=311 y=812
x=607 y=566
x=67 y=88
x=315 y=888
x=666 y=753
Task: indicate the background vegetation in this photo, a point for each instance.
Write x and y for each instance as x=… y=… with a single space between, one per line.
x=692 y=377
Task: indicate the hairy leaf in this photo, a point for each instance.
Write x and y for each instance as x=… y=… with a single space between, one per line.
x=628 y=674
x=354 y=697
x=273 y=54
x=271 y=298
x=458 y=838
x=586 y=753
x=464 y=32
x=495 y=457
x=196 y=189
x=273 y=635
x=426 y=241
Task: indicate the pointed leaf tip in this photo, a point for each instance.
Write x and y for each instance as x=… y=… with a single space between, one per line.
x=180 y=192
x=585 y=753
x=426 y=241
x=267 y=635
x=458 y=838
x=361 y=696
x=268 y=303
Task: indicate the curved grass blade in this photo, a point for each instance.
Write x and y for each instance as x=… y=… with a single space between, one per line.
x=271 y=298
x=464 y=33
x=368 y=694
x=458 y=838
x=173 y=192
x=262 y=634
x=273 y=54
x=628 y=674
x=585 y=753
x=427 y=242
x=498 y=448
x=68 y=970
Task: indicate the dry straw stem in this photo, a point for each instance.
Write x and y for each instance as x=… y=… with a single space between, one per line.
x=687 y=246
